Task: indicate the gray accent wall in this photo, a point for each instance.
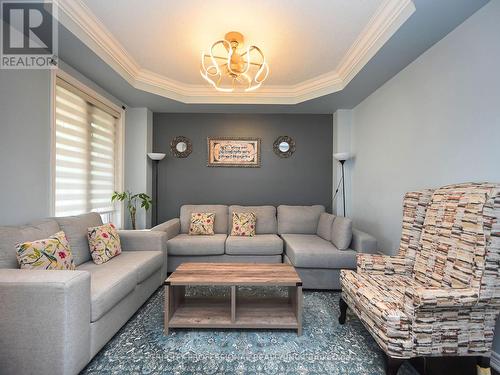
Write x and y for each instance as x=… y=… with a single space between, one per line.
x=303 y=179
x=435 y=123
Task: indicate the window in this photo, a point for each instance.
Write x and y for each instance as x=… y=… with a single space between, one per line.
x=87 y=153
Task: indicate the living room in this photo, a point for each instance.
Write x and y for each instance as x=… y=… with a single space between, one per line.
x=267 y=187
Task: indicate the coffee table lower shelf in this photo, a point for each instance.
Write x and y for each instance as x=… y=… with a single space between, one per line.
x=233 y=312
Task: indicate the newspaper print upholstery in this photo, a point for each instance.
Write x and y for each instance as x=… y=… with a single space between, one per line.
x=414 y=208
x=447 y=303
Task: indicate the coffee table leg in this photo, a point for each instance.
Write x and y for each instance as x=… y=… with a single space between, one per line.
x=168 y=299
x=295 y=300
x=299 y=310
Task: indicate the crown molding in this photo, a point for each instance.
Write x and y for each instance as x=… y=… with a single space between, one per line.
x=388 y=18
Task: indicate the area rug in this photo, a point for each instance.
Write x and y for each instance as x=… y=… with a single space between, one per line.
x=325 y=347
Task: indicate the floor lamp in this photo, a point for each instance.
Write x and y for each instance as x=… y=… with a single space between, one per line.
x=155 y=157
x=341 y=157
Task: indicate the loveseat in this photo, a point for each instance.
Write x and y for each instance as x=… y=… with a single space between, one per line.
x=300 y=235
x=54 y=322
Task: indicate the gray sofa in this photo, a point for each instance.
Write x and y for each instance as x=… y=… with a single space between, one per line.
x=316 y=243
x=265 y=247
x=54 y=322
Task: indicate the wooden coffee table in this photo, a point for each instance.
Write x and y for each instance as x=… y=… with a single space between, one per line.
x=233 y=311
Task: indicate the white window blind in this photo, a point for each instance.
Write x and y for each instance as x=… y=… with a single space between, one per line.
x=86 y=153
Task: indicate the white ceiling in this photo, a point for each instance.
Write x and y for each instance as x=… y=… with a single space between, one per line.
x=313 y=47
x=301 y=39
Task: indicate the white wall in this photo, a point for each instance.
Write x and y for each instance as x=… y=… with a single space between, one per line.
x=25 y=141
x=138 y=142
x=437 y=122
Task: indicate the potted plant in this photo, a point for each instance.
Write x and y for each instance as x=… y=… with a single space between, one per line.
x=132 y=201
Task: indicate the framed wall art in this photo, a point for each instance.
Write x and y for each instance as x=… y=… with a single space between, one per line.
x=233 y=152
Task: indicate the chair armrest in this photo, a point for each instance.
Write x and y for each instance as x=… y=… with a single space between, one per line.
x=383 y=264
x=432 y=299
x=171 y=227
x=142 y=240
x=363 y=242
x=45 y=324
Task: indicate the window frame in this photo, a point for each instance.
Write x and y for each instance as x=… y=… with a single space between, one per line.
x=119 y=214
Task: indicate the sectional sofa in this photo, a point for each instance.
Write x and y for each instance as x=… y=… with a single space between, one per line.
x=55 y=322
x=318 y=244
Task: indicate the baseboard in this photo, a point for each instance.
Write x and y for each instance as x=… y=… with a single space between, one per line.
x=495 y=360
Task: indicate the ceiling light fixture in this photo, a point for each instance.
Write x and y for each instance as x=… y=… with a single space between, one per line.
x=229 y=66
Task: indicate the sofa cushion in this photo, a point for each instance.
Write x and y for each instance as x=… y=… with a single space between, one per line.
x=75 y=228
x=51 y=253
x=11 y=236
x=299 y=219
x=342 y=232
x=220 y=211
x=114 y=280
x=109 y=283
x=325 y=226
x=267 y=223
x=311 y=251
x=260 y=244
x=184 y=244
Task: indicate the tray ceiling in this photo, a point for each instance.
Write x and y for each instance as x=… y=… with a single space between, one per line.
x=314 y=47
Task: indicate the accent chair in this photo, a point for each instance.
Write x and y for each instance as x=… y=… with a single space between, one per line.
x=440 y=295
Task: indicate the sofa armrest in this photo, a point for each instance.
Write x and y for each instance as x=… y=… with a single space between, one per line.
x=45 y=324
x=432 y=299
x=383 y=264
x=363 y=242
x=171 y=227
x=142 y=240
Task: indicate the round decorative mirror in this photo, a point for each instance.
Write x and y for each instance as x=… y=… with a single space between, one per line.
x=284 y=146
x=181 y=147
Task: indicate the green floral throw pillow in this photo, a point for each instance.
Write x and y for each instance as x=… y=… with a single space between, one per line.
x=202 y=223
x=104 y=243
x=53 y=253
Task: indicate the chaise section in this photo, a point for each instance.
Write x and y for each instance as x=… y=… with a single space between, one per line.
x=44 y=325
x=184 y=244
x=260 y=244
x=311 y=251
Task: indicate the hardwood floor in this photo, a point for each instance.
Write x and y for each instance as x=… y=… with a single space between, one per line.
x=440 y=366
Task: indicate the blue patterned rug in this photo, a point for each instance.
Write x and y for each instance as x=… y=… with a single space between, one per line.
x=324 y=348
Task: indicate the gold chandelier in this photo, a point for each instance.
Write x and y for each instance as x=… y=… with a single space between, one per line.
x=229 y=66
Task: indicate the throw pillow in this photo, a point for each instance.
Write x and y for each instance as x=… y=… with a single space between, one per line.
x=104 y=243
x=202 y=223
x=342 y=232
x=53 y=253
x=243 y=224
